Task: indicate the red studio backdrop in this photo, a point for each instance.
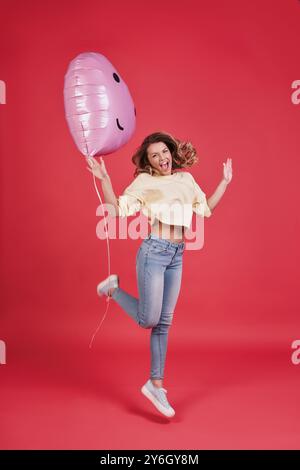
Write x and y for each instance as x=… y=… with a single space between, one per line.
x=226 y=76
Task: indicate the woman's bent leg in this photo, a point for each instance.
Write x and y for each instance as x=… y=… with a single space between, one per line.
x=128 y=302
x=145 y=310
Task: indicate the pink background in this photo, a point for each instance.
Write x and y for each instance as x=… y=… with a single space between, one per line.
x=216 y=73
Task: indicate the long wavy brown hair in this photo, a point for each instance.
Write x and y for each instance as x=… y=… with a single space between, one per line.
x=183 y=153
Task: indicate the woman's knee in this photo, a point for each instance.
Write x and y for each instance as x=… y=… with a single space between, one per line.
x=149 y=317
x=148 y=323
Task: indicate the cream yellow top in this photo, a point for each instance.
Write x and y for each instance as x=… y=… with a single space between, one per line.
x=172 y=199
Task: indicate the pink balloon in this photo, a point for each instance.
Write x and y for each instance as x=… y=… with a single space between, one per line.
x=99 y=109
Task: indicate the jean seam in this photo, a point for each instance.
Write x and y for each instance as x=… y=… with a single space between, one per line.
x=160 y=356
x=145 y=273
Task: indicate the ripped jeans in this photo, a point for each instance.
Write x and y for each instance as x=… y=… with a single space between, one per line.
x=159 y=272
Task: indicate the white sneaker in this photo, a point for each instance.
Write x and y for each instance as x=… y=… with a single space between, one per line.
x=110 y=282
x=157 y=395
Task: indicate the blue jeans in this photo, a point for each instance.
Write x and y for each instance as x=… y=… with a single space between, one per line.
x=159 y=272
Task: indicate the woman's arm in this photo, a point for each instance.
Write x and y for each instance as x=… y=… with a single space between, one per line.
x=100 y=172
x=109 y=195
x=215 y=198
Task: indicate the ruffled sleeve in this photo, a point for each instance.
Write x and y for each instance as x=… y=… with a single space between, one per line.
x=128 y=205
x=131 y=201
x=200 y=205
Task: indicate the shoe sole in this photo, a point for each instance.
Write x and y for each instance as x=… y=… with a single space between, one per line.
x=113 y=287
x=156 y=403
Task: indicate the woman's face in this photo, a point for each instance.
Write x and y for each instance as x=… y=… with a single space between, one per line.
x=160 y=158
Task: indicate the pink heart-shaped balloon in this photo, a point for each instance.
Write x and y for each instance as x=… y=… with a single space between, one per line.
x=99 y=109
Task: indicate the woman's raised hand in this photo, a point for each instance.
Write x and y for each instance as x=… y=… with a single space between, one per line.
x=98 y=169
x=227 y=170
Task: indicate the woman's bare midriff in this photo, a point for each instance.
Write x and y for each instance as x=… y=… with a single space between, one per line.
x=173 y=233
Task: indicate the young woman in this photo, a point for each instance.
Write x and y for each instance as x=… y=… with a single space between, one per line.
x=159 y=189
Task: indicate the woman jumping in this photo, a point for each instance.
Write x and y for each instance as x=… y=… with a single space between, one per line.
x=168 y=197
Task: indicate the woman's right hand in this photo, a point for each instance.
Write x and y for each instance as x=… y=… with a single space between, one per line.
x=98 y=169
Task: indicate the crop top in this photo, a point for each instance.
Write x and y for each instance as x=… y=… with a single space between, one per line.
x=172 y=199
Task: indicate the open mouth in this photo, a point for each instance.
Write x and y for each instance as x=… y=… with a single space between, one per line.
x=165 y=164
x=119 y=125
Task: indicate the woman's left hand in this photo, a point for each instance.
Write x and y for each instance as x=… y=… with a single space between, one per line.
x=227 y=170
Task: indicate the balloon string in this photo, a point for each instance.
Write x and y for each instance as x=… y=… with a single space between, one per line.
x=108 y=258
x=107 y=243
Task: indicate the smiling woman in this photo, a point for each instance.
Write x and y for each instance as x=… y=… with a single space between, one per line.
x=157 y=187
x=160 y=154
x=160 y=157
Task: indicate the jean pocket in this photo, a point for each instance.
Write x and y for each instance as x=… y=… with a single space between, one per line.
x=156 y=248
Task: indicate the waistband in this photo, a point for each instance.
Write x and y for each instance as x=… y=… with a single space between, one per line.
x=165 y=242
